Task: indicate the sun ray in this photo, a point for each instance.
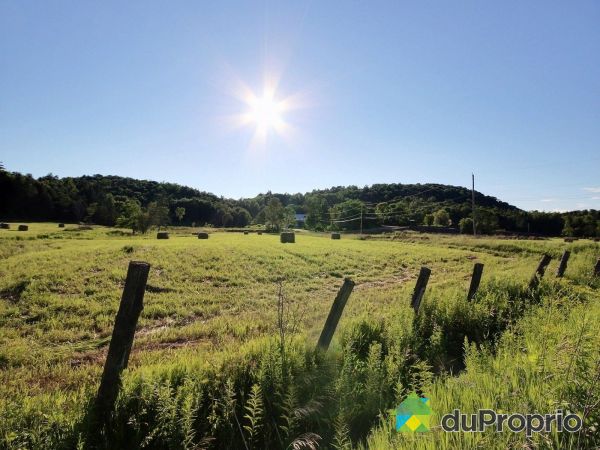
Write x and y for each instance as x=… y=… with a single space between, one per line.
x=265 y=110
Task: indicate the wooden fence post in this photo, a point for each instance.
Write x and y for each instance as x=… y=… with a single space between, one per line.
x=539 y=272
x=334 y=314
x=563 y=263
x=122 y=338
x=420 y=288
x=597 y=268
x=475 y=280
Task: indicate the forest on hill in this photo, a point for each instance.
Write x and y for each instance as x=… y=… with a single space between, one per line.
x=141 y=204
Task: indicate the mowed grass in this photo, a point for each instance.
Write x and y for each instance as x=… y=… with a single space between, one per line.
x=60 y=290
x=61 y=295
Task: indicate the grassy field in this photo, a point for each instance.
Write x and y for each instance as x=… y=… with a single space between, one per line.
x=208 y=369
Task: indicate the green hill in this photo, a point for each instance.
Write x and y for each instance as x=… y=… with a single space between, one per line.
x=106 y=199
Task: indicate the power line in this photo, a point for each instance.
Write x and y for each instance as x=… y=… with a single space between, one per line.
x=333 y=213
x=372 y=206
x=366 y=206
x=343 y=221
x=385 y=215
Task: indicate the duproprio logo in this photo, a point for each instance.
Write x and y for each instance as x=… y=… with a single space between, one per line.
x=412 y=415
x=529 y=423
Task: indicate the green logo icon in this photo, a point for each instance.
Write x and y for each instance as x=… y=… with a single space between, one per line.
x=412 y=415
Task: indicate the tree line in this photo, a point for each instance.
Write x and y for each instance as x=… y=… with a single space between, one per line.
x=142 y=204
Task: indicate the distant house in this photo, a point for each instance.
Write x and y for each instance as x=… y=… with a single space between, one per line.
x=300 y=219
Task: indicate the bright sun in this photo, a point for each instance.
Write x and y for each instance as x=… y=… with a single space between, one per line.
x=266 y=113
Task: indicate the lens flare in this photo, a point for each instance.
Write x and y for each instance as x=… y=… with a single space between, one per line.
x=266 y=113
x=266 y=110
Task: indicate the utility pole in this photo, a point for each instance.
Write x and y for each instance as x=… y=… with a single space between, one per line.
x=473 y=204
x=361 y=215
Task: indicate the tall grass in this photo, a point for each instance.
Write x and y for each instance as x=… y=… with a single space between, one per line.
x=510 y=349
x=524 y=353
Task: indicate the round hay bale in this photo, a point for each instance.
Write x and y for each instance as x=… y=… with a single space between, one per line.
x=568 y=239
x=245 y=232
x=23 y=227
x=336 y=236
x=162 y=235
x=4 y=226
x=287 y=237
x=202 y=235
x=61 y=225
x=259 y=233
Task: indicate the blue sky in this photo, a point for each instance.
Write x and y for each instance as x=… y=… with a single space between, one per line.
x=381 y=92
